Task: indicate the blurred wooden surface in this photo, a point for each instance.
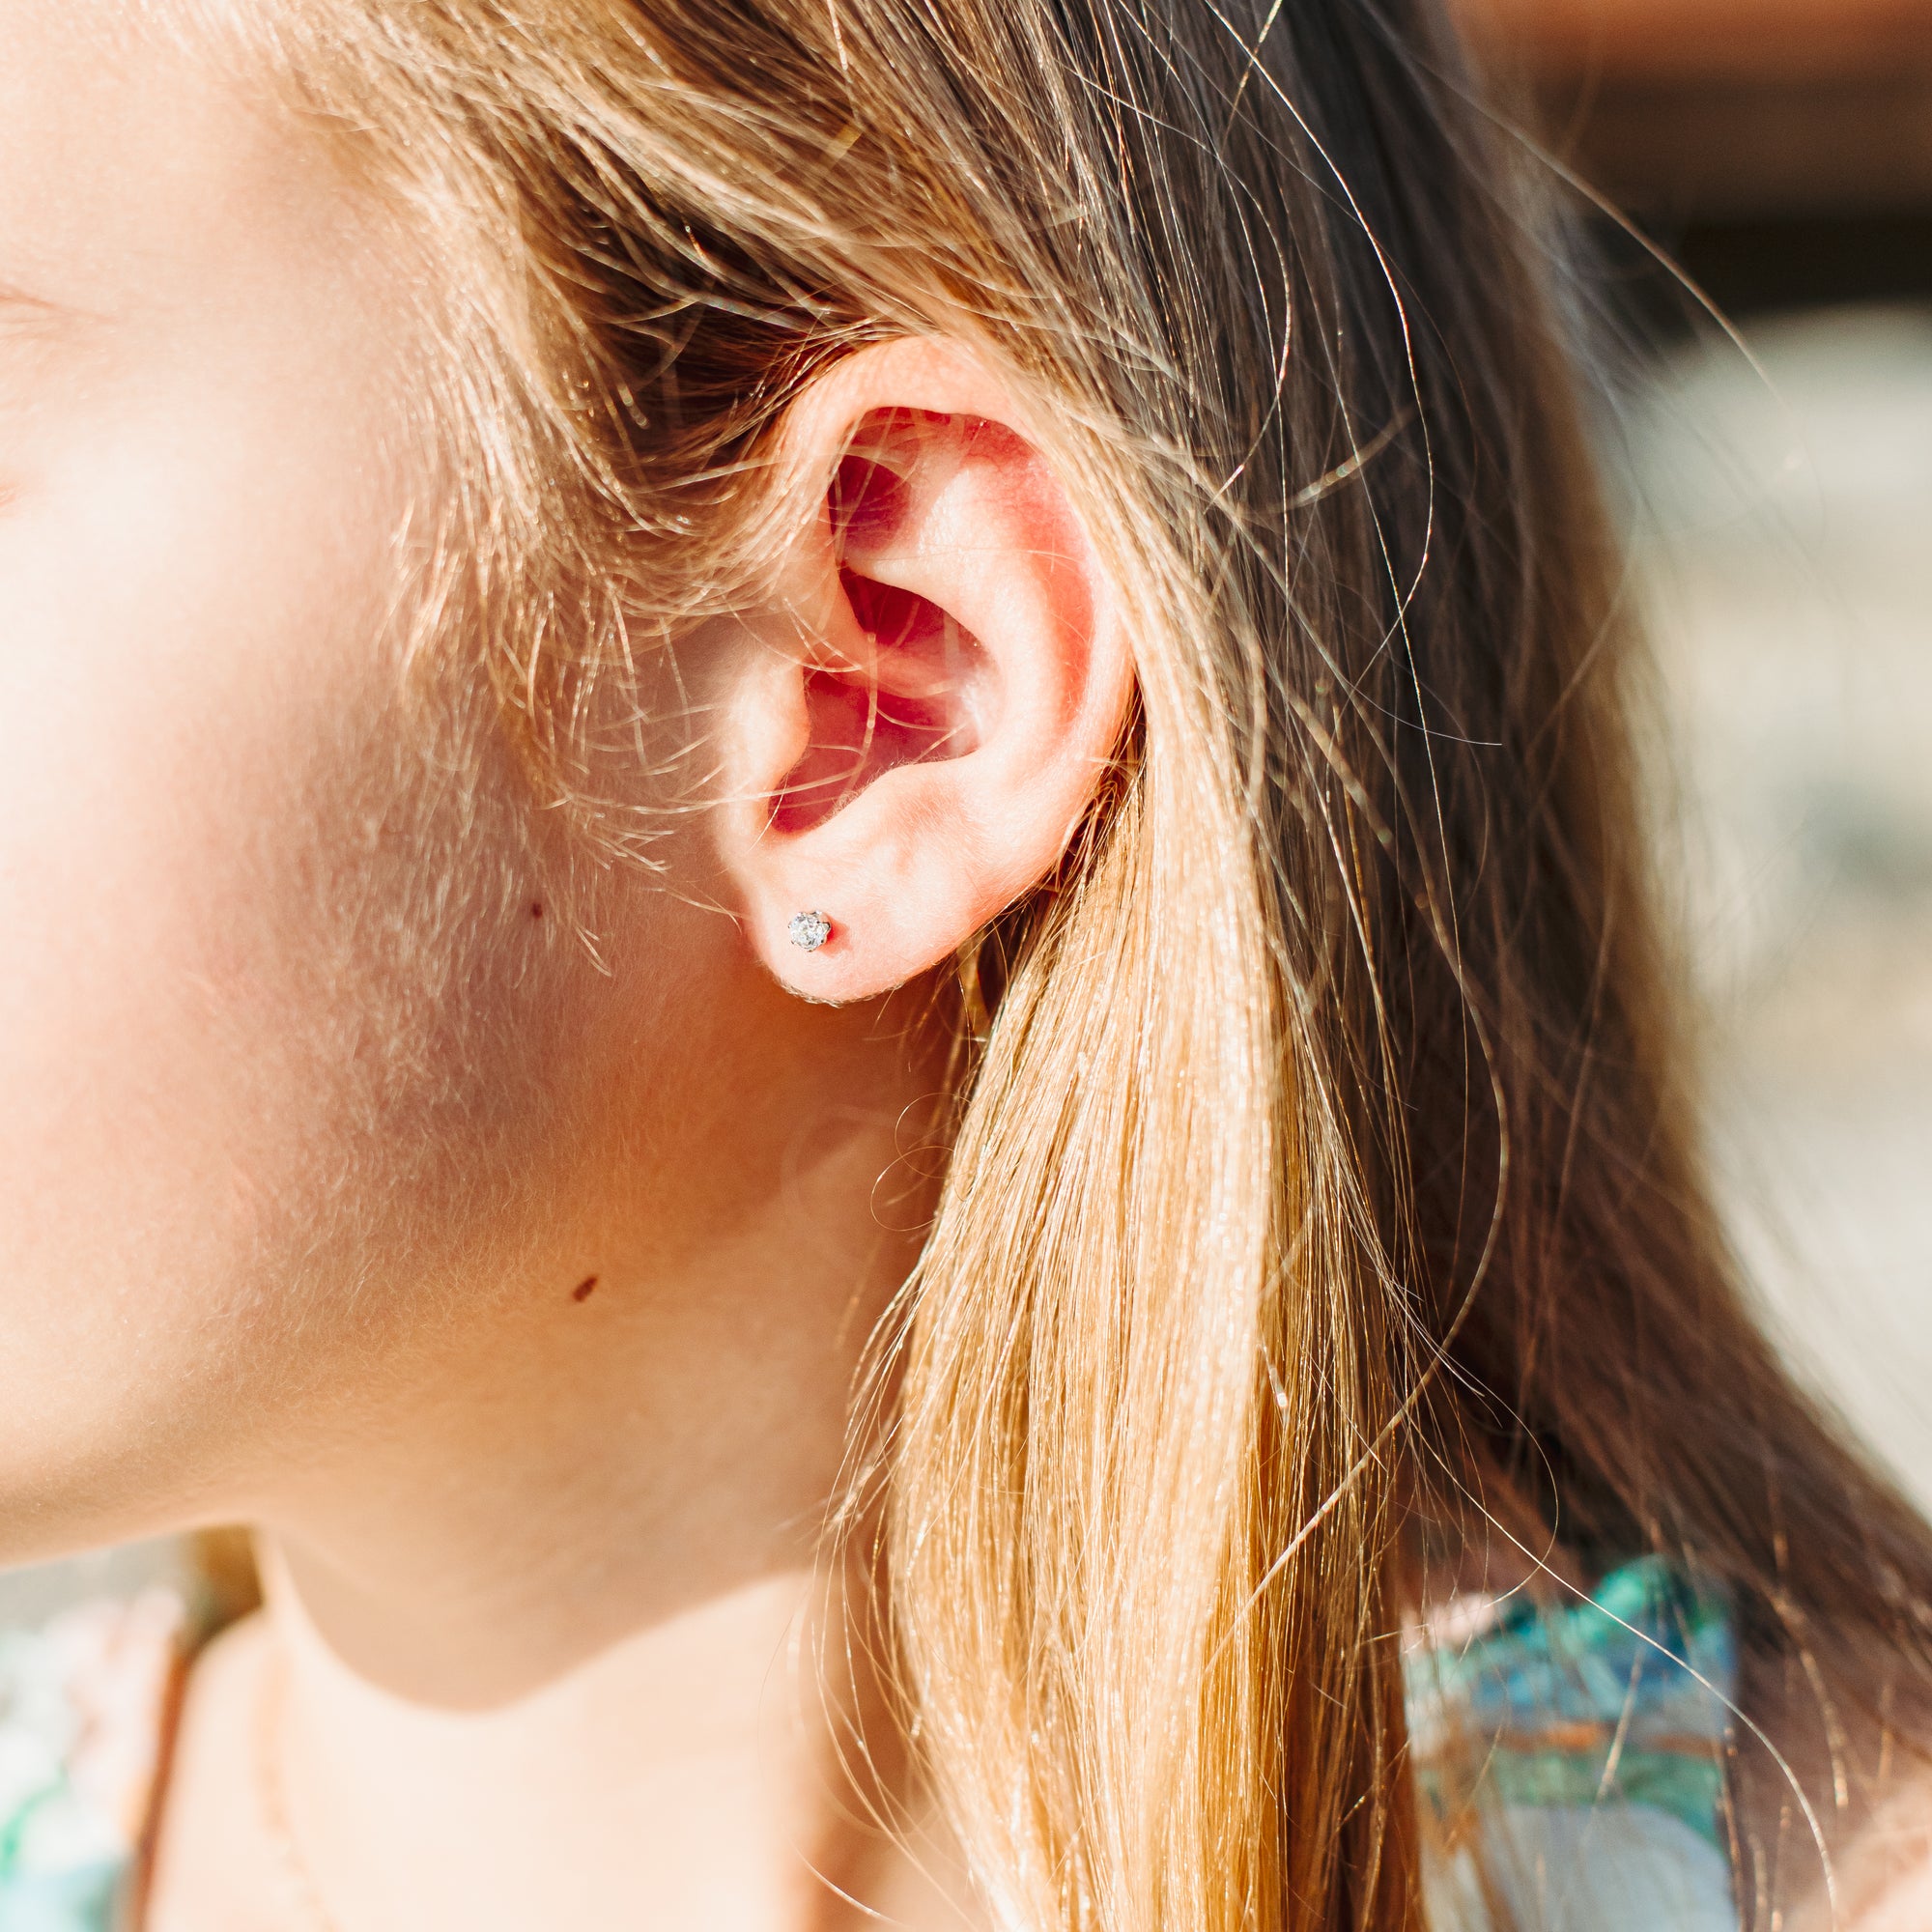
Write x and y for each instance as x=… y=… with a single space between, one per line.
x=1707 y=149
x=1689 y=110
x=1718 y=38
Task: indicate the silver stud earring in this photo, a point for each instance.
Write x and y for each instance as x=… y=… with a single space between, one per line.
x=808 y=930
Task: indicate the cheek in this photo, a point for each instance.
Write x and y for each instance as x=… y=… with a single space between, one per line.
x=230 y=1015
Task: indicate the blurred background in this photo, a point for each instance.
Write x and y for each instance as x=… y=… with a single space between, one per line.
x=1777 y=483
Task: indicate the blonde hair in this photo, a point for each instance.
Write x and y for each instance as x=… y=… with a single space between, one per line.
x=1322 y=1163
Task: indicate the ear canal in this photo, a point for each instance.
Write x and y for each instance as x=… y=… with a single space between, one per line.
x=900 y=681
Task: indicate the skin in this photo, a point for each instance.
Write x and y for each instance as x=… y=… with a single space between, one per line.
x=319 y=1115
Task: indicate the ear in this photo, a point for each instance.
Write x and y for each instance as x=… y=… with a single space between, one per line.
x=939 y=682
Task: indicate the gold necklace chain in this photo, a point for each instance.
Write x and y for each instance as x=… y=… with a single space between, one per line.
x=304 y=1895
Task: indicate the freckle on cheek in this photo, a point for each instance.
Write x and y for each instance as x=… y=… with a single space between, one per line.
x=581 y=1292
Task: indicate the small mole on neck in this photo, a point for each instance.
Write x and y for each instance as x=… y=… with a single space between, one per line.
x=581 y=1292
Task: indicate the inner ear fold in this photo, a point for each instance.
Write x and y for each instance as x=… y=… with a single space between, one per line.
x=897 y=679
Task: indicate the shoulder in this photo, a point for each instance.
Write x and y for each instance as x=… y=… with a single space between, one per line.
x=1877 y=1873
x=1901 y=1901
x=1832 y=1789
x=1881 y=1869
x=212 y=1872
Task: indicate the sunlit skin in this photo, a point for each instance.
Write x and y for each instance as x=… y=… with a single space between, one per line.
x=513 y=1283
x=320 y=1120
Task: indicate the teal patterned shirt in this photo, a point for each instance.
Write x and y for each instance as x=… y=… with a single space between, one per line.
x=1570 y=1759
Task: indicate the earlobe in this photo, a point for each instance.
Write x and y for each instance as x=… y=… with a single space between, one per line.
x=942 y=685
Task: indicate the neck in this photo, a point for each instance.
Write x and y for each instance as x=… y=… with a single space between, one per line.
x=684 y=1775
x=545 y=1618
